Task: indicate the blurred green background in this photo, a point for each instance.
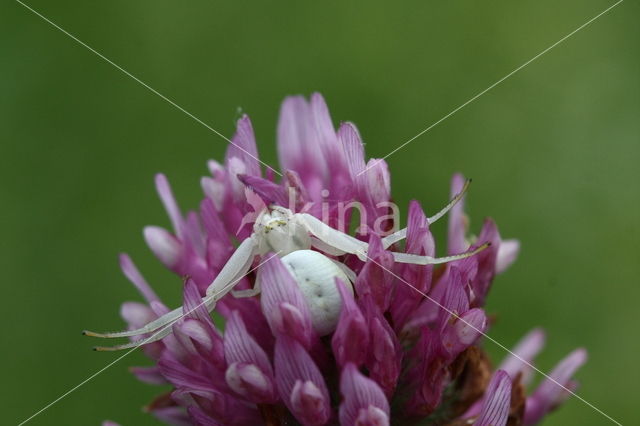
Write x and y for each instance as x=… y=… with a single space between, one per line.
x=553 y=151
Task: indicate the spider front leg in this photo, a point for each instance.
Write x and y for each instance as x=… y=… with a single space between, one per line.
x=245 y=255
x=231 y=273
x=416 y=259
x=250 y=292
x=327 y=236
x=391 y=239
x=235 y=268
x=349 y=244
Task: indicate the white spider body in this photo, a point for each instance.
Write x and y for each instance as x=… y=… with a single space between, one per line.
x=316 y=277
x=279 y=231
x=290 y=236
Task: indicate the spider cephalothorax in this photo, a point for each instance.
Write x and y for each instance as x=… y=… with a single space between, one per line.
x=280 y=232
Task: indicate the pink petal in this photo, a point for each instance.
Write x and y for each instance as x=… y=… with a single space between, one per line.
x=165 y=246
x=295 y=370
x=497 y=401
x=350 y=341
x=363 y=402
x=552 y=390
x=268 y=191
x=131 y=272
x=353 y=148
x=250 y=373
x=524 y=353
x=298 y=147
x=251 y=382
x=136 y=314
x=244 y=146
x=507 y=254
x=151 y=375
x=170 y=204
x=283 y=304
x=458 y=222
x=377 y=181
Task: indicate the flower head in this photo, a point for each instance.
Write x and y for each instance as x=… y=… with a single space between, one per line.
x=332 y=337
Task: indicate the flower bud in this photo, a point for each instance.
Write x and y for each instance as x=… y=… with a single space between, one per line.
x=497 y=401
x=364 y=403
x=378 y=180
x=250 y=373
x=350 y=342
x=249 y=381
x=300 y=383
x=283 y=304
x=165 y=246
x=308 y=403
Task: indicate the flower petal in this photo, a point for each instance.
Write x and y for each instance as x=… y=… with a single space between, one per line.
x=464 y=331
x=251 y=382
x=419 y=241
x=350 y=341
x=268 y=191
x=524 y=353
x=240 y=346
x=165 y=246
x=497 y=401
x=170 y=204
x=364 y=402
x=385 y=355
x=300 y=383
x=375 y=277
x=136 y=314
x=133 y=274
x=298 y=147
x=151 y=375
x=507 y=254
x=244 y=146
x=353 y=148
x=377 y=181
x=458 y=222
x=554 y=388
x=283 y=303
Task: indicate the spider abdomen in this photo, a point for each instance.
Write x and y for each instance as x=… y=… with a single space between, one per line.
x=316 y=275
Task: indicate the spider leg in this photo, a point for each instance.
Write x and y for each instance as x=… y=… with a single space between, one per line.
x=456 y=198
x=332 y=237
x=402 y=234
x=235 y=268
x=250 y=292
x=346 y=243
x=391 y=239
x=428 y=260
x=149 y=328
x=321 y=245
x=163 y=332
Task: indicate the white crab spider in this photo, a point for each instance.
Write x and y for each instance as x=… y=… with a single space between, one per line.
x=279 y=230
